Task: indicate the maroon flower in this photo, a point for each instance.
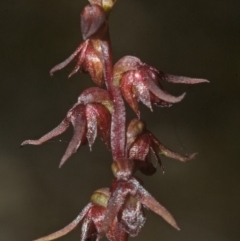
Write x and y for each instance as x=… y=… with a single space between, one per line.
x=127 y=199
x=89 y=54
x=140 y=144
x=90 y=220
x=140 y=82
x=92 y=114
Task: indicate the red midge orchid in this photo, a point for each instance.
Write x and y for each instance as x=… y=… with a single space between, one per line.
x=140 y=82
x=116 y=212
x=140 y=142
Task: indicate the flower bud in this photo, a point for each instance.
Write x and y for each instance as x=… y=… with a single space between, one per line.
x=107 y=5
x=93 y=22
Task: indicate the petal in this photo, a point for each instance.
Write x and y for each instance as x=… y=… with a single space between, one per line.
x=150 y=202
x=91 y=125
x=69 y=59
x=55 y=132
x=99 y=120
x=152 y=86
x=181 y=79
x=142 y=90
x=128 y=92
x=78 y=120
x=169 y=153
x=81 y=58
x=69 y=227
x=140 y=148
x=104 y=125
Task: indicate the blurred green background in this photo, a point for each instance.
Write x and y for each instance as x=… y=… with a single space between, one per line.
x=191 y=38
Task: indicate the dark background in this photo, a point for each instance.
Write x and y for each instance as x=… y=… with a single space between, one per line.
x=191 y=38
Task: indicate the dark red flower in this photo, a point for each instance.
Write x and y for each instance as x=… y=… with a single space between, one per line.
x=127 y=199
x=88 y=57
x=91 y=115
x=140 y=82
x=90 y=220
x=89 y=54
x=140 y=142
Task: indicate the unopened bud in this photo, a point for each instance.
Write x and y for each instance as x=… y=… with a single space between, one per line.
x=93 y=22
x=107 y=5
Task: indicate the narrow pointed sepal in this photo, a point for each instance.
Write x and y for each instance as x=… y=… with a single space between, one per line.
x=81 y=57
x=163 y=150
x=88 y=59
x=163 y=95
x=69 y=227
x=55 y=132
x=180 y=79
x=78 y=120
x=69 y=59
x=150 y=202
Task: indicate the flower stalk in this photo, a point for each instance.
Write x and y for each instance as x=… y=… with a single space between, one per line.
x=116 y=212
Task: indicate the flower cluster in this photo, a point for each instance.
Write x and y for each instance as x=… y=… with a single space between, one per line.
x=116 y=212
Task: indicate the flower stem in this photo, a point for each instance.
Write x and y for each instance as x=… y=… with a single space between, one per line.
x=119 y=114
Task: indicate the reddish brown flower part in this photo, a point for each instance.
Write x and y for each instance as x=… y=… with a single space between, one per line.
x=140 y=82
x=129 y=196
x=90 y=220
x=91 y=115
x=88 y=57
x=140 y=142
x=89 y=54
